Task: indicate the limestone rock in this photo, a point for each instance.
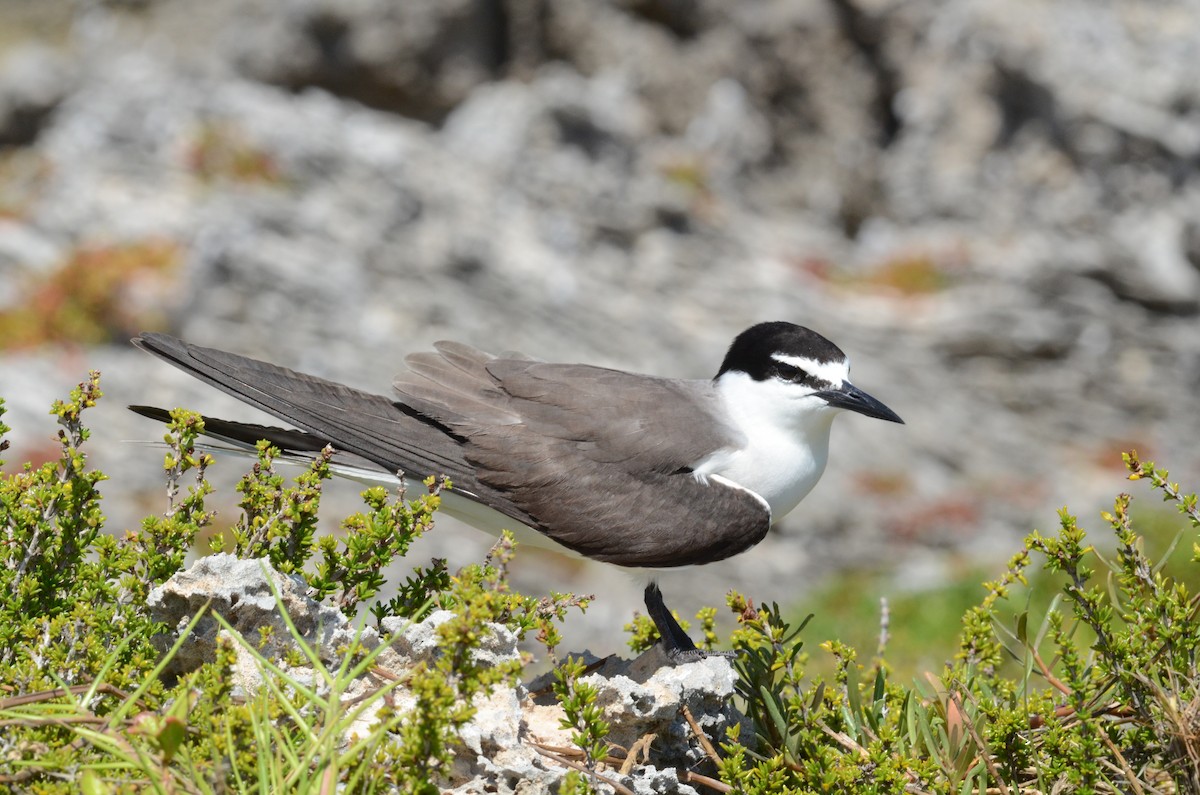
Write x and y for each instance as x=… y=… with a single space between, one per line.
x=499 y=746
x=243 y=593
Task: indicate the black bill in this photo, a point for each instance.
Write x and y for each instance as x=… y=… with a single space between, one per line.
x=851 y=398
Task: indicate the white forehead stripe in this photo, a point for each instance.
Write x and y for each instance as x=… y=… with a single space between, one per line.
x=833 y=372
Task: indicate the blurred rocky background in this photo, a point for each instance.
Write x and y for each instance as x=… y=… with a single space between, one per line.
x=993 y=206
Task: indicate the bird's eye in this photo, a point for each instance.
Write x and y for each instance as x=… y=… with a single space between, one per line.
x=789 y=372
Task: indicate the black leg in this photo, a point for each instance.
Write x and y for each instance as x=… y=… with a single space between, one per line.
x=675 y=642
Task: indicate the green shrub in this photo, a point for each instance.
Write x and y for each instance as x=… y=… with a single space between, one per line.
x=1104 y=697
x=1096 y=692
x=83 y=699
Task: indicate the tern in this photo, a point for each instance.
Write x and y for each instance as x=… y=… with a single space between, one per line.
x=634 y=470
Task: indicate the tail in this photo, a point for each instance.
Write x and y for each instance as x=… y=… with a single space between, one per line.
x=295 y=447
x=375 y=428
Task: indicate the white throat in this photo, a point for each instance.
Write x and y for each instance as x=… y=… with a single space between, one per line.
x=786 y=440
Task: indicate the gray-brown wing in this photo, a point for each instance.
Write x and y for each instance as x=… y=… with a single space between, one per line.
x=599 y=459
x=610 y=416
x=452 y=385
x=373 y=427
x=643 y=518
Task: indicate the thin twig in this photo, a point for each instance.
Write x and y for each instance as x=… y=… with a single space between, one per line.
x=58 y=692
x=618 y=786
x=983 y=751
x=641 y=746
x=1129 y=774
x=709 y=750
x=1050 y=677
x=844 y=740
x=688 y=777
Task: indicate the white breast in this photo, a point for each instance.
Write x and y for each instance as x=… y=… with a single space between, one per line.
x=786 y=444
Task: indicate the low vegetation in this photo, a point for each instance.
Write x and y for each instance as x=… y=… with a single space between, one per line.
x=1093 y=689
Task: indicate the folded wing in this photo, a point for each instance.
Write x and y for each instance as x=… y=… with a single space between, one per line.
x=595 y=459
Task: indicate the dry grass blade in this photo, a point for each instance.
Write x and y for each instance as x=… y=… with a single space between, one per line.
x=843 y=740
x=66 y=720
x=566 y=751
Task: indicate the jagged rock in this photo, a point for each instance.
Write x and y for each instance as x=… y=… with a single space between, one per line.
x=646 y=695
x=498 y=752
x=640 y=698
x=416 y=58
x=243 y=592
x=419 y=642
x=649 y=780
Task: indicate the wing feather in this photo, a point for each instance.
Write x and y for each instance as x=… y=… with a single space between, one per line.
x=370 y=426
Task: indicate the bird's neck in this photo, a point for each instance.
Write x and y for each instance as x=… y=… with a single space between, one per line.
x=786 y=441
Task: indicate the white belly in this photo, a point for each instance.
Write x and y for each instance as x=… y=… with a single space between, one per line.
x=776 y=469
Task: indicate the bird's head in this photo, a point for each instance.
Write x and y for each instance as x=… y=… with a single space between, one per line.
x=796 y=370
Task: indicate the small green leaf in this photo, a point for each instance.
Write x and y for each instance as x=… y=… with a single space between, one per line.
x=170 y=736
x=90 y=783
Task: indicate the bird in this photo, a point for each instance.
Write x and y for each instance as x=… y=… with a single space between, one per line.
x=640 y=471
